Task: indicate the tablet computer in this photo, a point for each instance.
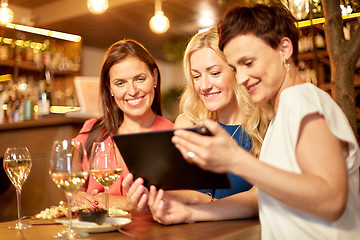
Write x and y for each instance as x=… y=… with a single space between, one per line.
x=153 y=157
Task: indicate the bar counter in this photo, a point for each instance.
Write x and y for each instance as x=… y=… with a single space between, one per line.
x=39 y=192
x=144 y=228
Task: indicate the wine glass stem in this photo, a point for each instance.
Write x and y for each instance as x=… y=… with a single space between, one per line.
x=18 y=196
x=107 y=198
x=69 y=195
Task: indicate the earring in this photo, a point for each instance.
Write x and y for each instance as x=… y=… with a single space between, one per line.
x=155 y=86
x=112 y=94
x=287 y=66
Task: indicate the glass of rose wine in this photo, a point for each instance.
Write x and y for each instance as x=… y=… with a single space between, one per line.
x=69 y=171
x=17 y=165
x=104 y=166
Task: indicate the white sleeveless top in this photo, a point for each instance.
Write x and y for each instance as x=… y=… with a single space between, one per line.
x=280 y=221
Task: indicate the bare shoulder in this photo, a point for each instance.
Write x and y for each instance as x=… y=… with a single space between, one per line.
x=182 y=122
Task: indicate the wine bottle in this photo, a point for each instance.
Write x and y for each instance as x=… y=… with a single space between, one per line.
x=4 y=52
x=44 y=102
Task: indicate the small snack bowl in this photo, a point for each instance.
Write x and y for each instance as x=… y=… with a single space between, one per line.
x=96 y=215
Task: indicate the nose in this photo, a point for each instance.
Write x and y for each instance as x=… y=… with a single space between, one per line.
x=241 y=77
x=205 y=84
x=131 y=88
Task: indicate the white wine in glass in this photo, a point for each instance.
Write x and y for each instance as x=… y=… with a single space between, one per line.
x=104 y=166
x=17 y=165
x=69 y=172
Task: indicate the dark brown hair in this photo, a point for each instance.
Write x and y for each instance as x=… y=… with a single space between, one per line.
x=269 y=22
x=113 y=115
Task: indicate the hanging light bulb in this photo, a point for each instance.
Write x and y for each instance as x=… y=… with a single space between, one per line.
x=97 y=6
x=159 y=23
x=6 y=14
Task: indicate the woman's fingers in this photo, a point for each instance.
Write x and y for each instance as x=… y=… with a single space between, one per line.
x=158 y=198
x=156 y=206
x=137 y=194
x=83 y=198
x=136 y=191
x=143 y=203
x=100 y=198
x=208 y=152
x=152 y=196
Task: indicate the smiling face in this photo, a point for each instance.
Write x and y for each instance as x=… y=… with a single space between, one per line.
x=132 y=84
x=213 y=80
x=258 y=66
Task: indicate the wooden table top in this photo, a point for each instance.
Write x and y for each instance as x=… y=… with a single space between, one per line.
x=144 y=228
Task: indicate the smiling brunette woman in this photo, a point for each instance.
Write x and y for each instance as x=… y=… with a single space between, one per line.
x=130 y=97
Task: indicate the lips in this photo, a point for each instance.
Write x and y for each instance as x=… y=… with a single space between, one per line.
x=135 y=101
x=251 y=88
x=211 y=95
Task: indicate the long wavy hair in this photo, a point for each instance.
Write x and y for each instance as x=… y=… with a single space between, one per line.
x=113 y=116
x=256 y=117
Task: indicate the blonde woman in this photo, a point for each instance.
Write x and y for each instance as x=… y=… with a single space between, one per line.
x=211 y=93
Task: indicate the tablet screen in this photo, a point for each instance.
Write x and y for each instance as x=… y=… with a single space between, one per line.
x=152 y=156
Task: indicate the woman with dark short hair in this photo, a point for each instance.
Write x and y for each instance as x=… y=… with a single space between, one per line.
x=308 y=174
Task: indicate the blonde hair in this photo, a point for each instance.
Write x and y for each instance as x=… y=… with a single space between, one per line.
x=256 y=117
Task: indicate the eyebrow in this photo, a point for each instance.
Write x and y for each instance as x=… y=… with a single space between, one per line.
x=240 y=60
x=208 y=68
x=117 y=79
x=137 y=75
x=246 y=57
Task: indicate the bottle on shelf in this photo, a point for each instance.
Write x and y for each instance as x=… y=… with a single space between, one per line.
x=44 y=101
x=16 y=109
x=28 y=108
x=9 y=109
x=4 y=51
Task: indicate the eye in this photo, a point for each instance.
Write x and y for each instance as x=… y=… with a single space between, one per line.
x=215 y=74
x=248 y=62
x=140 y=79
x=120 y=83
x=196 y=77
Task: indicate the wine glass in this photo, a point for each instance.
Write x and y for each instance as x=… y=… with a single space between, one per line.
x=69 y=171
x=104 y=166
x=17 y=165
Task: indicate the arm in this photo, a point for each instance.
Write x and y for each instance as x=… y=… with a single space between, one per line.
x=167 y=210
x=189 y=197
x=321 y=188
x=137 y=194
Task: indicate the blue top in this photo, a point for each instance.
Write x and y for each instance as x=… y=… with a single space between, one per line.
x=237 y=183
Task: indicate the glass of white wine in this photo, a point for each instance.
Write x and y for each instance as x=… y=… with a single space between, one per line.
x=17 y=165
x=69 y=171
x=105 y=167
